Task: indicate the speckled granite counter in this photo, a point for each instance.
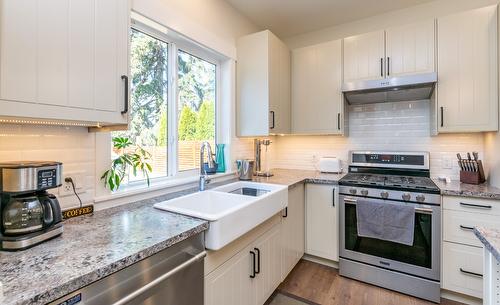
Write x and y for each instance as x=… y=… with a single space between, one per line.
x=291 y=177
x=91 y=248
x=491 y=240
x=456 y=188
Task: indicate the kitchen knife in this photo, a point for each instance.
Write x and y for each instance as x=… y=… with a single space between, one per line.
x=459 y=157
x=476 y=155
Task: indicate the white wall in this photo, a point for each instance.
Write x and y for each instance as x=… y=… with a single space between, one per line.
x=212 y=22
x=396 y=126
x=412 y=14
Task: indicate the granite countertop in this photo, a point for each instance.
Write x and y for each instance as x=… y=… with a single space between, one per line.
x=456 y=188
x=491 y=240
x=91 y=248
x=291 y=177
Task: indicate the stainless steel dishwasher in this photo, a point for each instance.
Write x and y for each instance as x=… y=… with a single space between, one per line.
x=173 y=276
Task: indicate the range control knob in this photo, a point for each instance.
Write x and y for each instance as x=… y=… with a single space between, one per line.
x=406 y=196
x=364 y=192
x=353 y=191
x=420 y=198
x=384 y=194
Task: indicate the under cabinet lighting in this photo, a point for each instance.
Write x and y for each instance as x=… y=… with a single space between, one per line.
x=48 y=122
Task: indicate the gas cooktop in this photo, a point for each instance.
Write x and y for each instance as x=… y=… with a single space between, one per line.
x=390 y=181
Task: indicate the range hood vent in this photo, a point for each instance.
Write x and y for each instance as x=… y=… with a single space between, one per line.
x=396 y=89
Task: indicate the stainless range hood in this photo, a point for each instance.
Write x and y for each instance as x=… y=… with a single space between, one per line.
x=395 y=89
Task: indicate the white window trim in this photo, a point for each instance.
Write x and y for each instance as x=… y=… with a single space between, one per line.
x=223 y=133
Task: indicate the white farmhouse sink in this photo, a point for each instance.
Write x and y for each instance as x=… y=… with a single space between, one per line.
x=232 y=209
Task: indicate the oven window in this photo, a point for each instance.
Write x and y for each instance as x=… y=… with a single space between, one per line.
x=420 y=254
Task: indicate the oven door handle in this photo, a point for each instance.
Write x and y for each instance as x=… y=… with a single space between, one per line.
x=417 y=209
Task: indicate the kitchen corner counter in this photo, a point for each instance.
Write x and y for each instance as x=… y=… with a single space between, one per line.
x=292 y=177
x=490 y=239
x=456 y=188
x=91 y=248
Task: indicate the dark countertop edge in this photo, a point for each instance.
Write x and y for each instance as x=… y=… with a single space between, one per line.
x=486 y=242
x=54 y=293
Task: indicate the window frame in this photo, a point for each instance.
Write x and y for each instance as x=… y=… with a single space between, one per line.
x=176 y=42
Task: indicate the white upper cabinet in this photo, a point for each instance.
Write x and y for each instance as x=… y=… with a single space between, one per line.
x=467 y=96
x=364 y=56
x=410 y=48
x=317 y=101
x=64 y=60
x=263 y=85
x=407 y=49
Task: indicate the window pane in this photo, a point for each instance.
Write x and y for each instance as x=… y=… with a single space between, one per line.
x=148 y=104
x=196 y=115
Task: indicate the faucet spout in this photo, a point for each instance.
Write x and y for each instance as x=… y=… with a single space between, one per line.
x=204 y=180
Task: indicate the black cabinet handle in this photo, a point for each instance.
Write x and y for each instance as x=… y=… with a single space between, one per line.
x=466 y=228
x=381 y=67
x=388 y=66
x=442 y=117
x=333 y=197
x=479 y=206
x=125 y=106
x=272 y=120
x=286 y=213
x=338 y=121
x=471 y=273
x=253 y=265
x=258 y=260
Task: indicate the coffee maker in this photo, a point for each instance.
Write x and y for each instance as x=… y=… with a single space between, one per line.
x=29 y=214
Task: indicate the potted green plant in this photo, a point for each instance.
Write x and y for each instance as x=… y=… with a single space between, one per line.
x=129 y=158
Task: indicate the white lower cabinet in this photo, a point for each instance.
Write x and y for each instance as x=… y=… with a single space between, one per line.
x=293 y=230
x=322 y=229
x=244 y=279
x=462 y=269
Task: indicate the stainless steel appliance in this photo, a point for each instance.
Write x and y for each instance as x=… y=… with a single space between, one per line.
x=393 y=178
x=244 y=169
x=173 y=276
x=393 y=89
x=30 y=215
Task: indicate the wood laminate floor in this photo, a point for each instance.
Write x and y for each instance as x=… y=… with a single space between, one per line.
x=323 y=285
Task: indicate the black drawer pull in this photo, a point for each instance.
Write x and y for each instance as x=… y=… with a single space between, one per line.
x=388 y=66
x=480 y=206
x=466 y=228
x=471 y=273
x=333 y=197
x=253 y=265
x=258 y=260
x=125 y=98
x=286 y=213
x=382 y=67
x=272 y=120
x=338 y=121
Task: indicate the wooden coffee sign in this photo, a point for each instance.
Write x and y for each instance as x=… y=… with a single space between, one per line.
x=85 y=210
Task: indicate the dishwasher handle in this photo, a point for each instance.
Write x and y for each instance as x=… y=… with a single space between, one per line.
x=160 y=279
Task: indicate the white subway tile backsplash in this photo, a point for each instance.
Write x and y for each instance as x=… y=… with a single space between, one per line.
x=403 y=126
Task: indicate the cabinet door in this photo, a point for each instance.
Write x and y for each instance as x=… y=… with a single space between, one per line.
x=231 y=283
x=462 y=269
x=364 y=57
x=279 y=86
x=64 y=59
x=269 y=246
x=322 y=233
x=317 y=102
x=467 y=96
x=293 y=230
x=410 y=48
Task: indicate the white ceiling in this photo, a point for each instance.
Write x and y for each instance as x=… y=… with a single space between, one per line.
x=286 y=18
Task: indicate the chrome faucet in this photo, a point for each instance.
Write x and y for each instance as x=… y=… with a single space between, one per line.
x=204 y=180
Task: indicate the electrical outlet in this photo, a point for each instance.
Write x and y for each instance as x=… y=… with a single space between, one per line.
x=66 y=188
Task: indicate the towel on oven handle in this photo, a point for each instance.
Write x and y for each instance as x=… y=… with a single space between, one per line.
x=386 y=221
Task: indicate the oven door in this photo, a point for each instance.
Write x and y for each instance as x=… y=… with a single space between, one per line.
x=421 y=259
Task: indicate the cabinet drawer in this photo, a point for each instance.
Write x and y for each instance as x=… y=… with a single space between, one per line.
x=457 y=226
x=462 y=269
x=473 y=205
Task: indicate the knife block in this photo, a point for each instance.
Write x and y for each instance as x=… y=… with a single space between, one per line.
x=471 y=177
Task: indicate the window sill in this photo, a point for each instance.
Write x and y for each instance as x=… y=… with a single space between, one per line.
x=174 y=184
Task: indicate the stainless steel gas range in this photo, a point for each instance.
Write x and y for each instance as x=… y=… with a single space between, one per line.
x=397 y=178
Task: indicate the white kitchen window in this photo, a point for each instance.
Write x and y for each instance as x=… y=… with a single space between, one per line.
x=173 y=101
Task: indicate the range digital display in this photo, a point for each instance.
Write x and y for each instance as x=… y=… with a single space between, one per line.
x=389 y=159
